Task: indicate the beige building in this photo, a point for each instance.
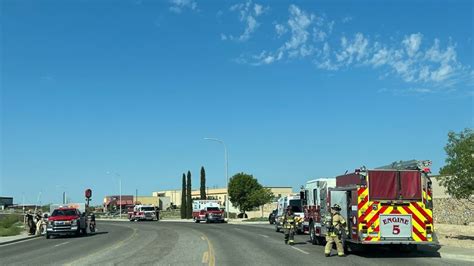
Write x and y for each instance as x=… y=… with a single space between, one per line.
x=220 y=194
x=148 y=200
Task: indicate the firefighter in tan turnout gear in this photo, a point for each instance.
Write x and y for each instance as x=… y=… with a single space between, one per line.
x=336 y=225
x=290 y=222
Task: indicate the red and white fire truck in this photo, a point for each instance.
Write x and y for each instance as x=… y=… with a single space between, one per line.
x=386 y=205
x=315 y=204
x=207 y=210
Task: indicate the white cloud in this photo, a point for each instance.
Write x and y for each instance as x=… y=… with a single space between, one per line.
x=280 y=29
x=258 y=9
x=353 y=50
x=346 y=19
x=249 y=13
x=298 y=23
x=412 y=43
x=427 y=66
x=177 y=6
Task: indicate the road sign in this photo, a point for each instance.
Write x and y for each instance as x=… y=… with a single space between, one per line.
x=88 y=193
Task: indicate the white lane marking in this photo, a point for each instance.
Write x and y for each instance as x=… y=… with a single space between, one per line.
x=302 y=251
x=237 y=229
x=61 y=244
x=21 y=241
x=263 y=235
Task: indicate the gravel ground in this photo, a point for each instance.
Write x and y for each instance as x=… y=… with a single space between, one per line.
x=455 y=235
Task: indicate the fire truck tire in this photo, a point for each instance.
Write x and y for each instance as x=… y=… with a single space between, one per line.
x=48 y=236
x=277 y=229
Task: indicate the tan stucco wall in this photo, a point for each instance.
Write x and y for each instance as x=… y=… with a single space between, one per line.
x=221 y=194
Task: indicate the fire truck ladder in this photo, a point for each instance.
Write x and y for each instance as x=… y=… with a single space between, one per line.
x=407 y=165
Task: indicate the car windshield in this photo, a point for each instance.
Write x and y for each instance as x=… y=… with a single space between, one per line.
x=147 y=209
x=295 y=205
x=64 y=213
x=212 y=208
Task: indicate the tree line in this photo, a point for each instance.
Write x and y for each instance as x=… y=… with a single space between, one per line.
x=244 y=192
x=186 y=190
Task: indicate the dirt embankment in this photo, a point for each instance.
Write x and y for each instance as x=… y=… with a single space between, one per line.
x=455 y=235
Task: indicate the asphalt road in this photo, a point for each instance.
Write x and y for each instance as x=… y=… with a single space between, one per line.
x=175 y=243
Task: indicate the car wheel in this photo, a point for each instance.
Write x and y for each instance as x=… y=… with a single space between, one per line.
x=48 y=236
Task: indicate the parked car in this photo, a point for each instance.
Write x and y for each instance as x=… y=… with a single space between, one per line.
x=271 y=217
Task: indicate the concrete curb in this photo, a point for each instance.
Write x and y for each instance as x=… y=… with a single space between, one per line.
x=452 y=256
x=19 y=239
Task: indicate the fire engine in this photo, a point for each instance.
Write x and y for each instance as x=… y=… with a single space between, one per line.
x=391 y=204
x=315 y=203
x=207 y=210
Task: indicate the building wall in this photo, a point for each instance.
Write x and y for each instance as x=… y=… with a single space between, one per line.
x=6 y=202
x=220 y=194
x=148 y=200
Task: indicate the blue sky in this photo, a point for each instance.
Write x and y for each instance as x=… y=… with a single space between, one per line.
x=297 y=90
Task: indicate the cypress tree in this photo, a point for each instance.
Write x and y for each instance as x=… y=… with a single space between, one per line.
x=189 y=201
x=183 y=198
x=203 y=183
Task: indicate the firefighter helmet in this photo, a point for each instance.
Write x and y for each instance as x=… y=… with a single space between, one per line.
x=336 y=207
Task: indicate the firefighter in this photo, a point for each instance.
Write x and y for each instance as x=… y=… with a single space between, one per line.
x=336 y=225
x=30 y=222
x=289 y=226
x=39 y=222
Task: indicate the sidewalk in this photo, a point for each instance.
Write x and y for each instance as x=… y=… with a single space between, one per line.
x=12 y=239
x=450 y=252
x=456 y=253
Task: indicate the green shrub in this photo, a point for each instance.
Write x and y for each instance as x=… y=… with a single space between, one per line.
x=9 y=225
x=256 y=219
x=8 y=221
x=11 y=231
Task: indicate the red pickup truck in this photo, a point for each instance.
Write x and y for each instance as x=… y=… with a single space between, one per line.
x=66 y=221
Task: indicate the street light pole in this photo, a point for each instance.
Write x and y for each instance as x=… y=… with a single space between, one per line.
x=226 y=173
x=120 y=191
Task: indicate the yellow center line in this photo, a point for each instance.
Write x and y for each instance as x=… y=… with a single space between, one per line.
x=209 y=255
x=205 y=257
